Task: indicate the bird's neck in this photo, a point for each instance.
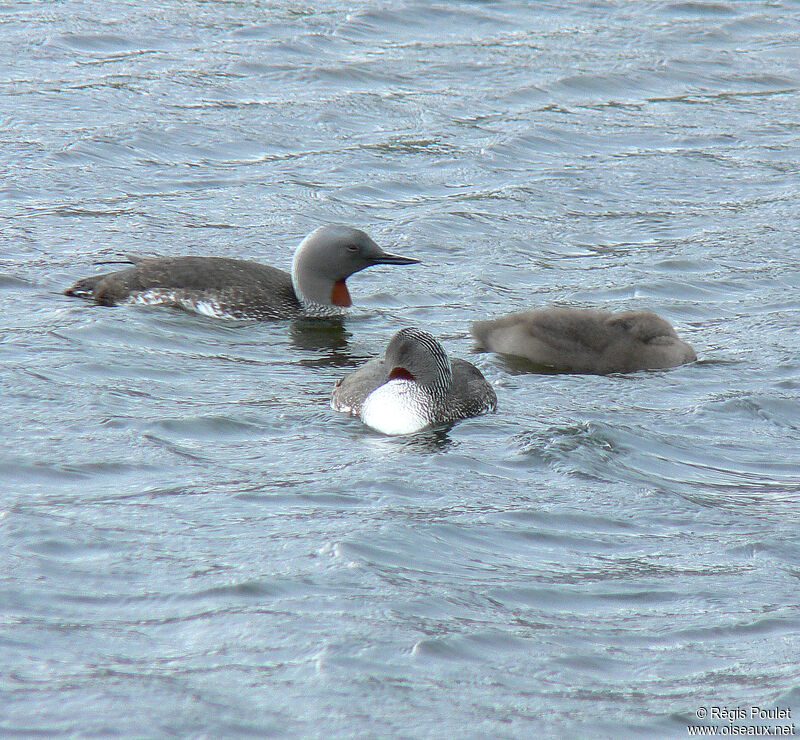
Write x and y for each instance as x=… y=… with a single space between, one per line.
x=318 y=294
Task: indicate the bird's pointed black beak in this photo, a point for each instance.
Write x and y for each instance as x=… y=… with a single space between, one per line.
x=392 y=259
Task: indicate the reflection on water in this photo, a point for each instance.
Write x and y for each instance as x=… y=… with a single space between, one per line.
x=328 y=338
x=315 y=334
x=516 y=365
x=434 y=439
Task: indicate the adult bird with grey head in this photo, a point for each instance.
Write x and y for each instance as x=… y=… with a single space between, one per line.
x=224 y=287
x=415 y=386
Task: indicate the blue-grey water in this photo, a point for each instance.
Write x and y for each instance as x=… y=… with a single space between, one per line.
x=193 y=544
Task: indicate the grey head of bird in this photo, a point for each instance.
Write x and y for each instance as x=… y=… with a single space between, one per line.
x=327 y=257
x=642 y=325
x=414 y=354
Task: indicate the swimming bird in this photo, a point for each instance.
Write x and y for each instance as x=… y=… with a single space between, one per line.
x=223 y=287
x=586 y=341
x=414 y=386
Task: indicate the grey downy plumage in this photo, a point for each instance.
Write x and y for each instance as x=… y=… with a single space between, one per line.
x=585 y=340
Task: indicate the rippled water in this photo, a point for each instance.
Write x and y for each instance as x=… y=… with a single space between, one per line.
x=194 y=544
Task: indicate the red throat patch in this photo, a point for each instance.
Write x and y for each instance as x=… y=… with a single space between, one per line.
x=401 y=373
x=340 y=296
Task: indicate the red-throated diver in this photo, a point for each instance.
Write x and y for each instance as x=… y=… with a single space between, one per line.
x=415 y=385
x=586 y=341
x=219 y=286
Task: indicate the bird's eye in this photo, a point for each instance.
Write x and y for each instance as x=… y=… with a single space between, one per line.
x=352 y=248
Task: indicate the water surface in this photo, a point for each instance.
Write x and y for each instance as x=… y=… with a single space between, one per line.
x=194 y=544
